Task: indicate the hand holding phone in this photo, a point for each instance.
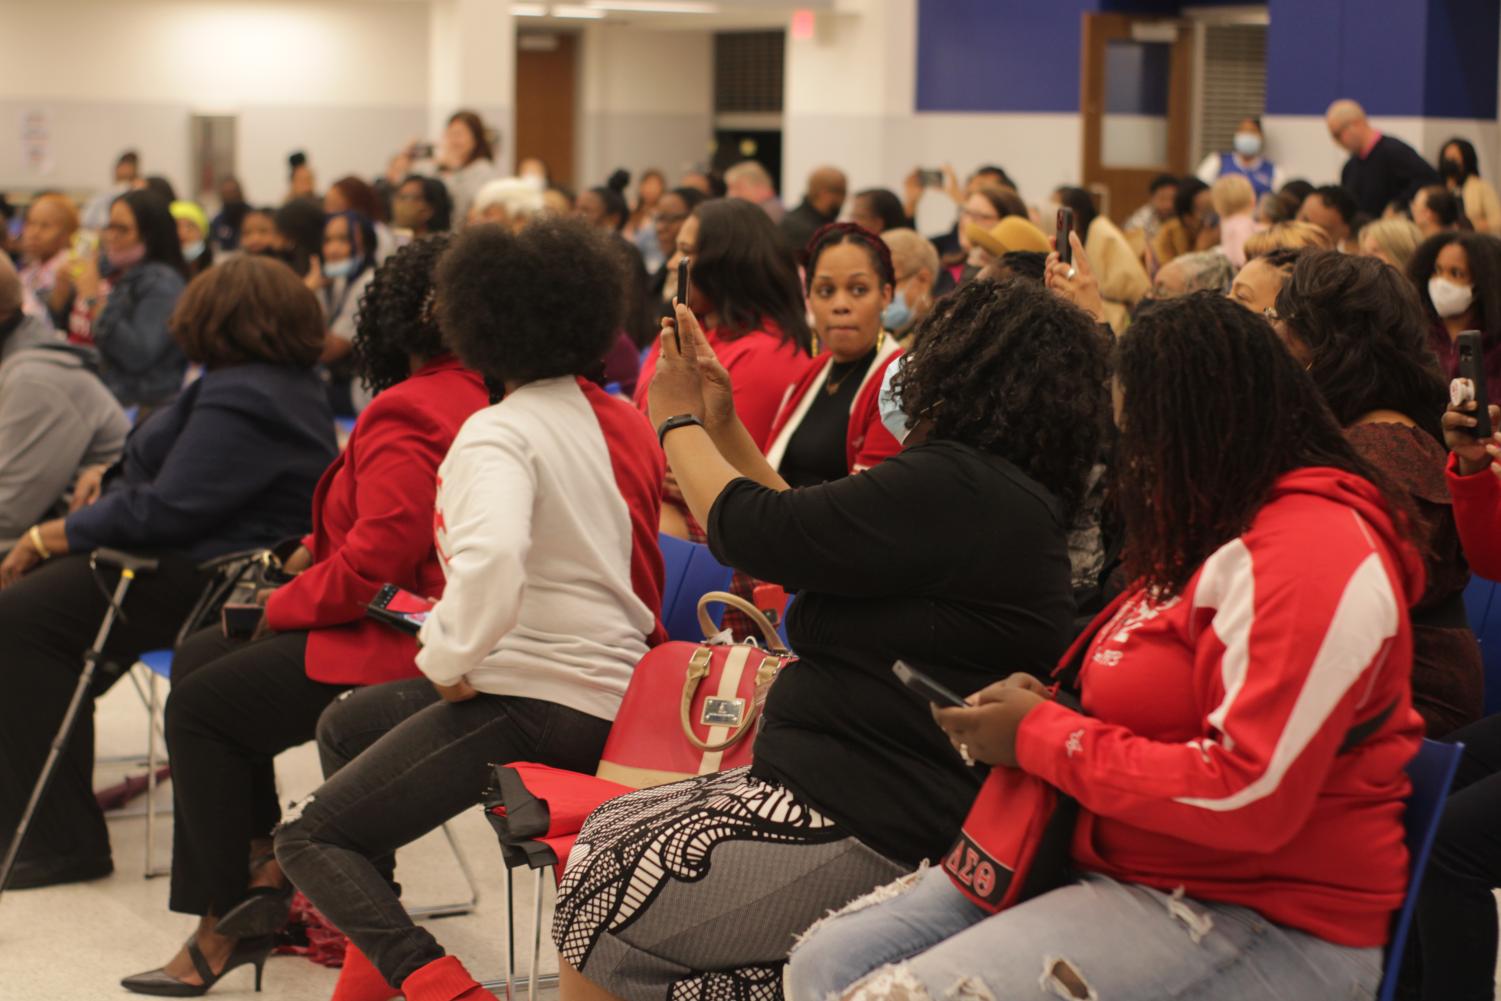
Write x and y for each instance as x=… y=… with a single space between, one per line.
x=399 y=609
x=1065 y=227
x=1471 y=365
x=925 y=686
x=930 y=178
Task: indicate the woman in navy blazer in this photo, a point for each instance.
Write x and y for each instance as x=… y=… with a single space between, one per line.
x=236 y=704
x=231 y=464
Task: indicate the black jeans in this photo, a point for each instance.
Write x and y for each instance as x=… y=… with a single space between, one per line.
x=400 y=763
x=1456 y=916
x=47 y=620
x=235 y=705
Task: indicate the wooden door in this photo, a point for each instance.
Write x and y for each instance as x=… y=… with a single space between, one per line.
x=546 y=77
x=1135 y=99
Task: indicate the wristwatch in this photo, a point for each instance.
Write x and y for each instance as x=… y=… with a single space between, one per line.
x=672 y=423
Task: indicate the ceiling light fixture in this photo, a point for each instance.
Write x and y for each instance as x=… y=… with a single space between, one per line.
x=578 y=12
x=655 y=6
x=528 y=10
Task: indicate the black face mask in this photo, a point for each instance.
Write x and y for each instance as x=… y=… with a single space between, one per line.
x=1451 y=171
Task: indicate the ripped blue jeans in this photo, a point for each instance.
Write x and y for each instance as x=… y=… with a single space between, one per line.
x=1097 y=939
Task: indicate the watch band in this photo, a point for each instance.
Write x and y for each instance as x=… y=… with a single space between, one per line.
x=673 y=423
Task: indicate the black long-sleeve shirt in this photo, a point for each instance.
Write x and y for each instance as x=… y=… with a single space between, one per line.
x=1392 y=170
x=944 y=556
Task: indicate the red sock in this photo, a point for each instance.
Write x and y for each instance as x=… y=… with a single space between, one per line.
x=444 y=980
x=359 y=980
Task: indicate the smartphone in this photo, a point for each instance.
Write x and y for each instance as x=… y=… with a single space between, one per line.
x=239 y=621
x=682 y=297
x=1065 y=227
x=926 y=686
x=399 y=609
x=422 y=151
x=1472 y=367
x=930 y=178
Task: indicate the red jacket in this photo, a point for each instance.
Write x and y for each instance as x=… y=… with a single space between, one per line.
x=1209 y=758
x=761 y=367
x=867 y=441
x=372 y=525
x=1477 y=512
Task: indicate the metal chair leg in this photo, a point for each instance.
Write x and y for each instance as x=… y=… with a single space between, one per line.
x=151 y=759
x=510 y=932
x=531 y=992
x=459 y=907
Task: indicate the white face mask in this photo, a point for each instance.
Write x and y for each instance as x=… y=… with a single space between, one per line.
x=1247 y=143
x=1449 y=298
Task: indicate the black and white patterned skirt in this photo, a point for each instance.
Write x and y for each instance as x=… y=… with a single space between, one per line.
x=697 y=890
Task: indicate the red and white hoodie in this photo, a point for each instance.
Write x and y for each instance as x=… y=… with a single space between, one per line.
x=867 y=441
x=1209 y=756
x=547 y=512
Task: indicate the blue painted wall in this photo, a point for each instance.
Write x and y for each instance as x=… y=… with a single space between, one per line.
x=1434 y=58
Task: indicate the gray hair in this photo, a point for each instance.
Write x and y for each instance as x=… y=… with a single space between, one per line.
x=521 y=198
x=1207 y=269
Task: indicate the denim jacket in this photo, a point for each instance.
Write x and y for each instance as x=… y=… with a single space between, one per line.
x=142 y=363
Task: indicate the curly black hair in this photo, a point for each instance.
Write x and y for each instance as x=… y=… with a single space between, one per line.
x=1195 y=461
x=395 y=319
x=1010 y=368
x=1364 y=327
x=538 y=304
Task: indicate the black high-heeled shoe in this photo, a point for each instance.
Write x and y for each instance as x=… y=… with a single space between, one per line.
x=264 y=911
x=158 y=982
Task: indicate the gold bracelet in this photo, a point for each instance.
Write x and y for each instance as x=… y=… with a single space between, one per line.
x=35 y=535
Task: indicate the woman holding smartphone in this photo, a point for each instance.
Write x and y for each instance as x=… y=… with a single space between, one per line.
x=236 y=703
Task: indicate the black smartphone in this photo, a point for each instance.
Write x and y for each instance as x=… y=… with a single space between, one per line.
x=399 y=609
x=1065 y=227
x=1472 y=367
x=930 y=178
x=682 y=297
x=926 y=686
x=240 y=621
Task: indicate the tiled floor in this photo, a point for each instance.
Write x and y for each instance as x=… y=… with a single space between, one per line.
x=76 y=942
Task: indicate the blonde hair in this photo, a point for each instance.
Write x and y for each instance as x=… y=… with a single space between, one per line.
x=1398 y=238
x=1288 y=236
x=911 y=252
x=63 y=204
x=1232 y=195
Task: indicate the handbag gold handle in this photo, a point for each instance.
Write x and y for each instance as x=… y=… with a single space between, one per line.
x=706 y=622
x=698 y=670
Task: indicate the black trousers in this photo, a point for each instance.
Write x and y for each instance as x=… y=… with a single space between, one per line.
x=401 y=762
x=235 y=705
x=47 y=620
x=1456 y=916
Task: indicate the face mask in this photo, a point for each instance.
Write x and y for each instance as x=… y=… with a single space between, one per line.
x=339 y=269
x=194 y=250
x=1449 y=298
x=1247 y=143
x=123 y=259
x=897 y=315
x=1451 y=171
x=892 y=417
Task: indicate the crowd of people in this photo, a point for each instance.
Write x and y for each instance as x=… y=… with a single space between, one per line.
x=1186 y=508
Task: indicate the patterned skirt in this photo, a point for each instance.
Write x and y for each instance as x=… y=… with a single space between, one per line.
x=697 y=890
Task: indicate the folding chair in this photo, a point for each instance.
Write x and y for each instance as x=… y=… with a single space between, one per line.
x=692 y=572
x=1484 y=609
x=537 y=811
x=1431 y=772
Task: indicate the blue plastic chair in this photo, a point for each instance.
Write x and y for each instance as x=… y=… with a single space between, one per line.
x=1431 y=772
x=159 y=662
x=692 y=572
x=1484 y=612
